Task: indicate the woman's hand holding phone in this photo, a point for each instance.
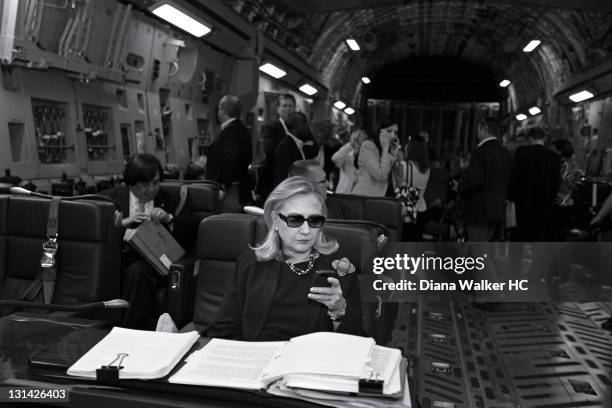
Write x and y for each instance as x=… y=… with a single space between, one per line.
x=327 y=290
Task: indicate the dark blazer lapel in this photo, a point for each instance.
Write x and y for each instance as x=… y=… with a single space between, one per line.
x=262 y=293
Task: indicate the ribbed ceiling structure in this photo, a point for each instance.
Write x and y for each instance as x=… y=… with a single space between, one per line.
x=490 y=33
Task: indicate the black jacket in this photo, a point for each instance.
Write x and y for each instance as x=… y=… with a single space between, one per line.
x=246 y=304
x=287 y=152
x=485 y=184
x=229 y=158
x=272 y=135
x=535 y=182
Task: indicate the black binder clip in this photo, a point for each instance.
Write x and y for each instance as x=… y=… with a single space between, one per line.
x=109 y=374
x=371 y=385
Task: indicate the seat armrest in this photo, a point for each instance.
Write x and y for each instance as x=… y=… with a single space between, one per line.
x=181 y=291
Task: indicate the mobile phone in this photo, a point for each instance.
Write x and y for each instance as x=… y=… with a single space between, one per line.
x=321 y=278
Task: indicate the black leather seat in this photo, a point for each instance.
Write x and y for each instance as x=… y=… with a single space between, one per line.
x=216 y=258
x=383 y=210
x=203 y=199
x=89 y=249
x=221 y=239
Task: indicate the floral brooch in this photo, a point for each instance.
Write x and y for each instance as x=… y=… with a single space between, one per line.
x=343 y=266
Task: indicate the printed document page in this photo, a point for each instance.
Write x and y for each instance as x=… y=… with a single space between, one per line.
x=228 y=363
x=323 y=353
x=383 y=365
x=142 y=354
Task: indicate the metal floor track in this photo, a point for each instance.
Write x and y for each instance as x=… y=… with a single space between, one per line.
x=539 y=355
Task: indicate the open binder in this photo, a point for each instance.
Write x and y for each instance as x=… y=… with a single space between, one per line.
x=321 y=361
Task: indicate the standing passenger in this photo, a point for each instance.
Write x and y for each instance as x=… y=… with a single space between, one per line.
x=230 y=156
x=344 y=159
x=417 y=176
x=533 y=187
x=376 y=157
x=485 y=183
x=272 y=135
x=293 y=146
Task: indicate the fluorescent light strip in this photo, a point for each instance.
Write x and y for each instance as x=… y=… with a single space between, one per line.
x=521 y=116
x=533 y=44
x=534 y=110
x=308 y=89
x=181 y=20
x=349 y=111
x=272 y=70
x=581 y=96
x=365 y=80
x=504 y=83
x=352 y=44
x=339 y=105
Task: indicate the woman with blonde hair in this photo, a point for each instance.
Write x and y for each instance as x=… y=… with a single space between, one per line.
x=274 y=293
x=344 y=159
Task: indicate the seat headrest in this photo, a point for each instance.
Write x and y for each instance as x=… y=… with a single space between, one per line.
x=225 y=236
x=201 y=197
x=386 y=211
x=28 y=218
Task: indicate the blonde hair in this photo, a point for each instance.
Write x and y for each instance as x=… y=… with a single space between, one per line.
x=271 y=247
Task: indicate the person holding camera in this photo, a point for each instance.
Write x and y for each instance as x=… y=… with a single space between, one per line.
x=375 y=160
x=292 y=283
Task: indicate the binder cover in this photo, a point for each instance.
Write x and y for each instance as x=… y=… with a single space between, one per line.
x=155 y=243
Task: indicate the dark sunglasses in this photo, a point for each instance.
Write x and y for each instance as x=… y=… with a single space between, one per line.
x=297 y=220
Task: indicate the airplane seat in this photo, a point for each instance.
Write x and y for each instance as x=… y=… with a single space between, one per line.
x=359 y=241
x=383 y=210
x=221 y=240
x=202 y=200
x=64 y=189
x=88 y=258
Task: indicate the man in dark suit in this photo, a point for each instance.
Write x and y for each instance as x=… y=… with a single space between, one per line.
x=230 y=156
x=484 y=185
x=272 y=135
x=533 y=188
x=140 y=200
x=297 y=145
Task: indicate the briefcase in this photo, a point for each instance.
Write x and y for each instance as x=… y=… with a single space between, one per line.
x=156 y=245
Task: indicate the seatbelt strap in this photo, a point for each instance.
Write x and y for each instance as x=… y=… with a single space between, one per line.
x=48 y=261
x=182 y=201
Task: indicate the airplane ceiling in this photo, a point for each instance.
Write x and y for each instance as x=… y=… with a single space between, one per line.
x=489 y=32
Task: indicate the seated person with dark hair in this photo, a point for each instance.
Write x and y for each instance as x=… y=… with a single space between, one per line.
x=140 y=199
x=274 y=293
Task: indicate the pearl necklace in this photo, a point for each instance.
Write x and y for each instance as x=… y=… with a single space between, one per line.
x=298 y=271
